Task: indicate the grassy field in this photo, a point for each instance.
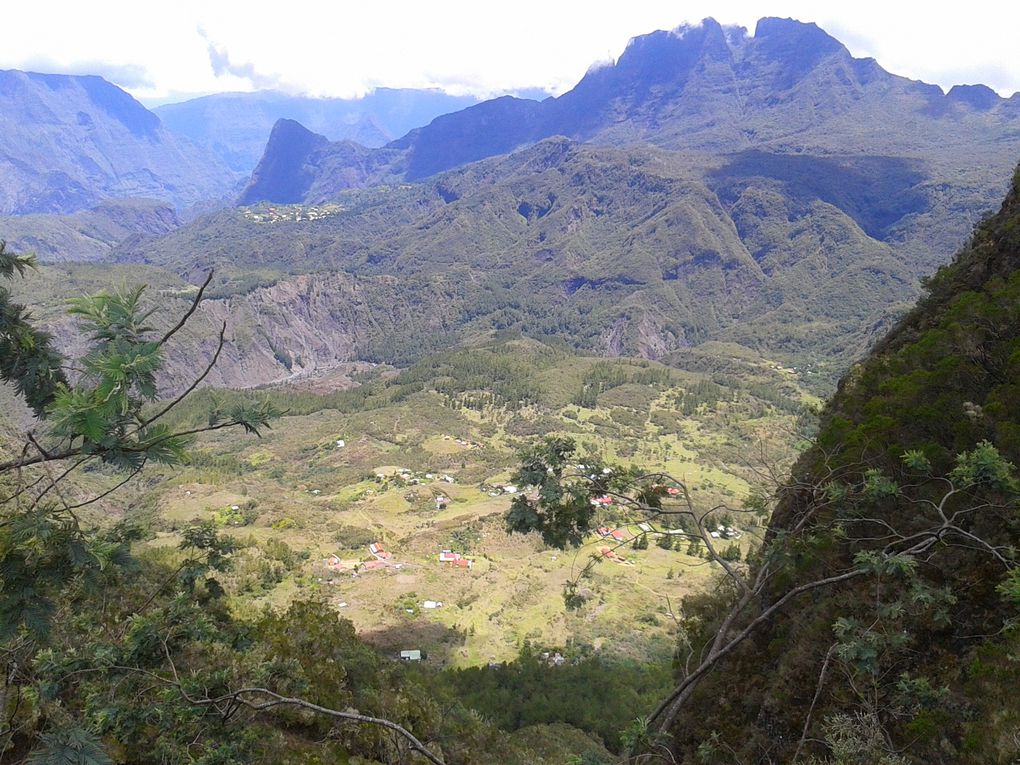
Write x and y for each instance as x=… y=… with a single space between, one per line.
x=416 y=437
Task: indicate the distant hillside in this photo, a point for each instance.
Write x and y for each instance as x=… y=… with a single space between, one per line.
x=619 y=252
x=68 y=142
x=236 y=126
x=87 y=235
x=791 y=88
x=916 y=663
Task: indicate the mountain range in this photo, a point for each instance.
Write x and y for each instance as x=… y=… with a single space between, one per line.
x=236 y=126
x=69 y=142
x=789 y=88
x=767 y=189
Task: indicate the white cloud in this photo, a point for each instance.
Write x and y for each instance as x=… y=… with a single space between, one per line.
x=346 y=48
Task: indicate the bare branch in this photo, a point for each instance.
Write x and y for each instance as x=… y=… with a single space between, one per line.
x=194 y=384
x=194 y=306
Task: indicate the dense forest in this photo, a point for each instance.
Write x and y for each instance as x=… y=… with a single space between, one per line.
x=876 y=623
x=501 y=436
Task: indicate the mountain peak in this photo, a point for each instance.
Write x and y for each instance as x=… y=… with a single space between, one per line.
x=283 y=176
x=980 y=97
x=799 y=46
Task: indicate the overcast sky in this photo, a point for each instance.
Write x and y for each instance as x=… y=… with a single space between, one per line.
x=174 y=50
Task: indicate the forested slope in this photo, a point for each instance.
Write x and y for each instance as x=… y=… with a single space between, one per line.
x=909 y=482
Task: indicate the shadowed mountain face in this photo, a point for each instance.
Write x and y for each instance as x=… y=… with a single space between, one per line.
x=299 y=164
x=236 y=126
x=791 y=88
x=68 y=142
x=941 y=386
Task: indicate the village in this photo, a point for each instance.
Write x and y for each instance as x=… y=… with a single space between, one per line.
x=357 y=570
x=395 y=515
x=290 y=213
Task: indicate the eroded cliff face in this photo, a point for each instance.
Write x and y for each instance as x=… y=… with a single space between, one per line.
x=299 y=327
x=312 y=324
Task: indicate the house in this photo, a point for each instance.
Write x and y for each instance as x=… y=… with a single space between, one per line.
x=603 y=531
x=607 y=552
x=644 y=527
x=618 y=535
x=432 y=604
x=458 y=560
x=379 y=551
x=333 y=562
x=509 y=489
x=340 y=443
x=410 y=655
x=442 y=502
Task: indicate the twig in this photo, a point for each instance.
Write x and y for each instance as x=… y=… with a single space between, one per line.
x=814 y=701
x=194 y=306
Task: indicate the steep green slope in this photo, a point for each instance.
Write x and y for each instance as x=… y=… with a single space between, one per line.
x=635 y=251
x=913 y=661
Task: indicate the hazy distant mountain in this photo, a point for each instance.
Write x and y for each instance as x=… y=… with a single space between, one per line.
x=68 y=142
x=770 y=191
x=791 y=88
x=236 y=126
x=87 y=235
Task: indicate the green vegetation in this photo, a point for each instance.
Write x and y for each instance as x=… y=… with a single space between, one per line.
x=226 y=554
x=114 y=652
x=635 y=254
x=550 y=685
x=912 y=482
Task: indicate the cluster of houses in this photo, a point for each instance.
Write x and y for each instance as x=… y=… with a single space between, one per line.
x=455 y=559
x=497 y=490
x=292 y=213
x=610 y=554
x=414 y=479
x=381 y=558
x=725 y=532
x=617 y=535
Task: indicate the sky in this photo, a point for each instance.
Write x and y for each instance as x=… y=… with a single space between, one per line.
x=164 y=52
